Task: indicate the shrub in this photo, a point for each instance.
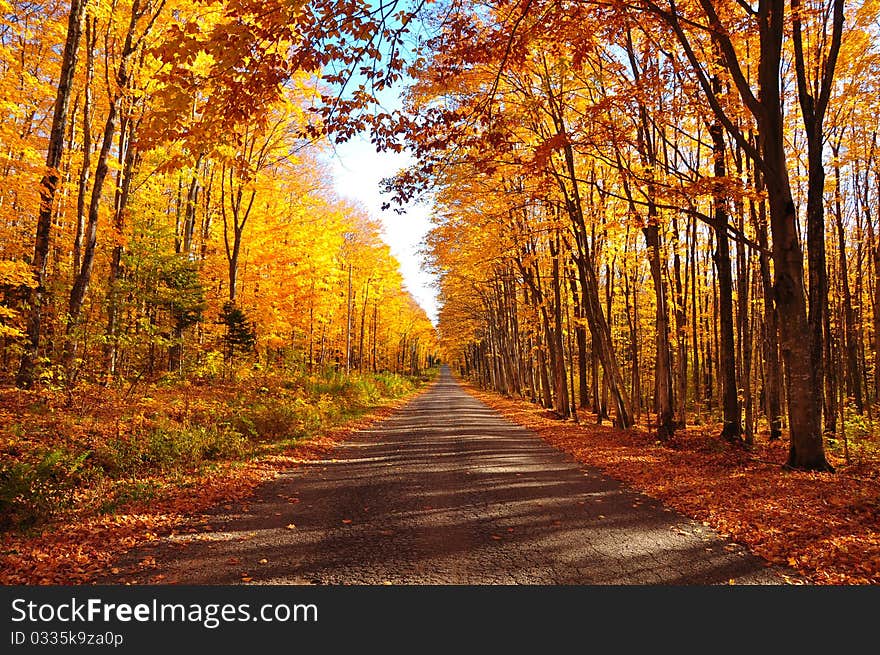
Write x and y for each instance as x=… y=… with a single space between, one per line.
x=286 y=418
x=168 y=448
x=32 y=490
x=361 y=391
x=271 y=420
x=241 y=336
x=129 y=492
x=164 y=448
x=395 y=385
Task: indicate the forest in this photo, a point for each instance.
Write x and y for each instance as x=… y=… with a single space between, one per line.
x=168 y=238
x=671 y=217
x=181 y=286
x=654 y=216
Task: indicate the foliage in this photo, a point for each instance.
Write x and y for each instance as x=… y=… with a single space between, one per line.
x=240 y=334
x=34 y=488
x=169 y=447
x=72 y=450
x=14 y=276
x=208 y=224
x=186 y=295
x=822 y=525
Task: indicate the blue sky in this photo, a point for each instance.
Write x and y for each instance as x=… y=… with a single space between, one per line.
x=358 y=170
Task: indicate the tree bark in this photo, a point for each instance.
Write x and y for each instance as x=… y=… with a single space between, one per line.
x=663 y=401
x=86 y=169
x=48 y=189
x=731 y=413
x=84 y=275
x=813 y=96
x=772 y=378
x=581 y=339
x=853 y=377
x=559 y=373
x=680 y=327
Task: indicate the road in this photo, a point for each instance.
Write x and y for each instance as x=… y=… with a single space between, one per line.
x=446 y=491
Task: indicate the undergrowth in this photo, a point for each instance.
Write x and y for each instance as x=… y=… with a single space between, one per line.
x=103 y=449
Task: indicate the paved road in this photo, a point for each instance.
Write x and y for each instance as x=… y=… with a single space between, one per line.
x=448 y=491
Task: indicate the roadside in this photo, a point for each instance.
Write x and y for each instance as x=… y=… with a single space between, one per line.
x=825 y=526
x=120 y=471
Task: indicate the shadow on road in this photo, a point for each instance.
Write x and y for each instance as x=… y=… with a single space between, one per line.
x=446 y=491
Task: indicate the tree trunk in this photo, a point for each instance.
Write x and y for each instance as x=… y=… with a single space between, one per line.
x=804 y=414
x=184 y=246
x=813 y=96
x=646 y=144
x=876 y=293
x=772 y=377
x=806 y=449
x=732 y=429
x=363 y=323
x=559 y=375
x=803 y=395
x=630 y=298
x=85 y=171
x=581 y=339
x=732 y=417
x=599 y=327
x=745 y=332
x=348 y=311
x=817 y=272
x=853 y=378
x=695 y=342
x=543 y=377
x=48 y=189
x=680 y=327
x=84 y=275
x=663 y=402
